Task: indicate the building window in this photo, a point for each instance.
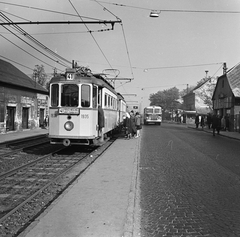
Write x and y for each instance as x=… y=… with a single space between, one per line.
x=1 y=112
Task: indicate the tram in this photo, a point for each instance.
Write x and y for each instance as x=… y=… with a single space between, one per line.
x=75 y=99
x=152 y=115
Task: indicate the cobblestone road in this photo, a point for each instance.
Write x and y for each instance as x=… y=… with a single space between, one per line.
x=189 y=182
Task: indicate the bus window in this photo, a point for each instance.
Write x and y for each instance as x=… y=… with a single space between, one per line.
x=85 y=96
x=150 y=111
x=157 y=111
x=69 y=95
x=54 y=95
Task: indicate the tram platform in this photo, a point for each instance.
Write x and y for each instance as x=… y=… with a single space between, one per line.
x=100 y=203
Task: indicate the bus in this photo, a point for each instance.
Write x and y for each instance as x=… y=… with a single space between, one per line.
x=152 y=115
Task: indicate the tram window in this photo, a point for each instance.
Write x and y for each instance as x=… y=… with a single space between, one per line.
x=105 y=103
x=157 y=111
x=69 y=96
x=85 y=92
x=54 y=95
x=95 y=95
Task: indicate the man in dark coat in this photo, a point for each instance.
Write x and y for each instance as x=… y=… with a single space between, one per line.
x=197 y=120
x=216 y=124
x=101 y=121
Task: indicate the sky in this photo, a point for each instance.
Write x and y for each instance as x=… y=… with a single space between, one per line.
x=189 y=40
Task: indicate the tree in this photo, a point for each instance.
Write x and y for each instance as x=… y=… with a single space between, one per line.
x=39 y=75
x=167 y=99
x=205 y=91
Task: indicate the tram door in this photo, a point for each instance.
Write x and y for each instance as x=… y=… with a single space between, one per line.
x=25 y=114
x=10 y=118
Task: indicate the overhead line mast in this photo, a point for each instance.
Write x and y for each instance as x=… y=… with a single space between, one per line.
x=60 y=22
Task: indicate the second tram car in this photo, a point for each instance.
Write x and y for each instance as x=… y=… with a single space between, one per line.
x=153 y=114
x=75 y=98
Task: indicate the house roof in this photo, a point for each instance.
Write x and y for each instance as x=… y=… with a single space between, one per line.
x=11 y=75
x=233 y=76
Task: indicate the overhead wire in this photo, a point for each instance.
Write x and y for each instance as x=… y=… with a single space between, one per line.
x=28 y=36
x=27 y=52
x=47 y=10
x=171 y=10
x=124 y=36
x=91 y=34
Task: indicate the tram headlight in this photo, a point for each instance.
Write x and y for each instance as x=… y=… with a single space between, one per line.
x=68 y=125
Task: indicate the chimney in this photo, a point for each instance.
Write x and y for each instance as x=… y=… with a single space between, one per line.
x=224 y=68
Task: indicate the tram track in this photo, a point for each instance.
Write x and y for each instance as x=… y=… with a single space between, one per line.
x=33 y=184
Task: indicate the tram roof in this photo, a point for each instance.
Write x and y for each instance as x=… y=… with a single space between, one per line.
x=87 y=78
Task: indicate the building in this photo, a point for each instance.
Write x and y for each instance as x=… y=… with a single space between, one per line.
x=194 y=102
x=23 y=102
x=226 y=96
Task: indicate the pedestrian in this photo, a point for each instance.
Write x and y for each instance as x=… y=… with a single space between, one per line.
x=127 y=125
x=227 y=122
x=138 y=124
x=216 y=124
x=46 y=121
x=101 y=122
x=209 y=121
x=133 y=124
x=197 y=120
x=202 y=122
x=223 y=123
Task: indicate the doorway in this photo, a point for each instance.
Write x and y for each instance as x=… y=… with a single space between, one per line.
x=25 y=114
x=10 y=118
x=41 y=118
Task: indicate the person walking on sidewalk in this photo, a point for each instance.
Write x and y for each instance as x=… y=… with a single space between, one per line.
x=138 y=124
x=202 y=122
x=216 y=124
x=209 y=120
x=197 y=120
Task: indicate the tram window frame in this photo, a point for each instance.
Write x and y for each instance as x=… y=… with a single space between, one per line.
x=54 y=95
x=71 y=98
x=94 y=96
x=85 y=95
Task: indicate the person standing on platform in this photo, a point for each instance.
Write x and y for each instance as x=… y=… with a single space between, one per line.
x=216 y=124
x=133 y=124
x=101 y=122
x=138 y=124
x=127 y=125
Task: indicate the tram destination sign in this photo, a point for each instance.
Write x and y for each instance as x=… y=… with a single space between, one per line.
x=66 y=110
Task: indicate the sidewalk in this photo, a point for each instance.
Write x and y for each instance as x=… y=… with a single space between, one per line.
x=233 y=135
x=100 y=203
x=11 y=136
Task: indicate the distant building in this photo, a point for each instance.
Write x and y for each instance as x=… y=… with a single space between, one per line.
x=23 y=102
x=226 y=96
